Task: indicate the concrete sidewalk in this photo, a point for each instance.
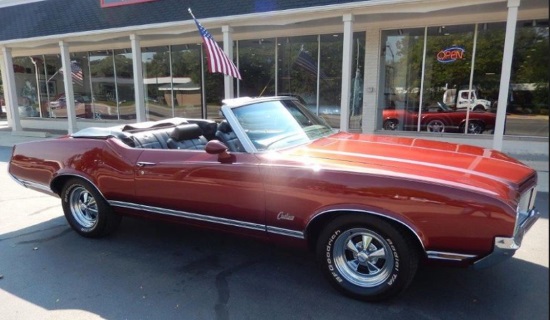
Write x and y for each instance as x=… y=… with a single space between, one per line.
x=538 y=162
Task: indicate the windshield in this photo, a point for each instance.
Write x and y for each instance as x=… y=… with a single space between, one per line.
x=278 y=124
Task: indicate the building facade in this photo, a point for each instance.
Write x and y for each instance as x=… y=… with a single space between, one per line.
x=398 y=67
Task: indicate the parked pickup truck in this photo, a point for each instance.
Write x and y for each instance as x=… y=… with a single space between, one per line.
x=461 y=101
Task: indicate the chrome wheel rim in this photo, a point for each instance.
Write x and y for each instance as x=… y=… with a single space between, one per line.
x=436 y=126
x=474 y=128
x=363 y=257
x=83 y=207
x=390 y=125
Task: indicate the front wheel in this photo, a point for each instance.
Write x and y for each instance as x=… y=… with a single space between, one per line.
x=367 y=258
x=86 y=210
x=435 y=126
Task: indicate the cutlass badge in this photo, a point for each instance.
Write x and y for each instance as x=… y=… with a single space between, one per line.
x=285 y=216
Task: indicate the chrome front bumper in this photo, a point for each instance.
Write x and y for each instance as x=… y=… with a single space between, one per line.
x=504 y=247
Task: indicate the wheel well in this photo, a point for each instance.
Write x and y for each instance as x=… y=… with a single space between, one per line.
x=316 y=226
x=58 y=183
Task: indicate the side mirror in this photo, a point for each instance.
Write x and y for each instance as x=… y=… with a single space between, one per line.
x=217 y=147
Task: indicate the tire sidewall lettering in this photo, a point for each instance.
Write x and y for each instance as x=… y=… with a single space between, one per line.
x=333 y=271
x=329 y=259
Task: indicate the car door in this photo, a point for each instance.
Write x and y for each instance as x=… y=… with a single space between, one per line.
x=194 y=185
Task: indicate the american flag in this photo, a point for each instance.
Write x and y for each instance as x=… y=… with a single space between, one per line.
x=218 y=61
x=306 y=62
x=76 y=74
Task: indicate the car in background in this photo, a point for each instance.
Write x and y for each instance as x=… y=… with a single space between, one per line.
x=58 y=106
x=438 y=118
x=372 y=208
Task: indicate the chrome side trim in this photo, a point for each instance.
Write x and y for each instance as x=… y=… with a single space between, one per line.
x=448 y=256
x=286 y=232
x=33 y=185
x=211 y=219
x=189 y=215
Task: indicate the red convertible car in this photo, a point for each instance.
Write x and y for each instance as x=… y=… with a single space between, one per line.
x=439 y=118
x=372 y=207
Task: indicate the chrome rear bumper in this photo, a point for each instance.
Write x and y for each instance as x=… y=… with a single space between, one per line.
x=504 y=247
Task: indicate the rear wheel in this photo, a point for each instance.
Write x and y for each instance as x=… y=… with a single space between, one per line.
x=366 y=257
x=86 y=210
x=474 y=127
x=390 y=125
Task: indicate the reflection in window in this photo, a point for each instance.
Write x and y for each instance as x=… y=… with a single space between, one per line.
x=27 y=82
x=298 y=68
x=400 y=77
x=447 y=75
x=186 y=81
x=358 y=65
x=157 y=82
x=172 y=78
x=257 y=67
x=529 y=96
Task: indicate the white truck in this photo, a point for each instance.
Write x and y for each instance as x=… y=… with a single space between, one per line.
x=460 y=102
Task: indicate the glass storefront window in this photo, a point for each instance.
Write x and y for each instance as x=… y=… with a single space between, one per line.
x=257 y=67
x=447 y=103
x=124 y=84
x=102 y=74
x=529 y=96
x=27 y=83
x=157 y=82
x=172 y=78
x=298 y=69
x=358 y=70
x=330 y=78
x=400 y=78
x=186 y=81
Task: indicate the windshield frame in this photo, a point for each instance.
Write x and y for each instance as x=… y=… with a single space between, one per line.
x=228 y=111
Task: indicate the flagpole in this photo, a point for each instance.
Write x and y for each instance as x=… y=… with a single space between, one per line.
x=355 y=80
x=203 y=89
x=52 y=76
x=191 y=13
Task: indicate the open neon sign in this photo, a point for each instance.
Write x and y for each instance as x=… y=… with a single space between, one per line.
x=450 y=54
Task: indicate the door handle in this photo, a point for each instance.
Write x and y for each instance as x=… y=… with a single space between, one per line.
x=144 y=164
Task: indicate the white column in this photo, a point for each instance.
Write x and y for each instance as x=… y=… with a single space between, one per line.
x=505 y=73
x=371 y=74
x=10 y=94
x=228 y=49
x=68 y=82
x=139 y=94
x=347 y=57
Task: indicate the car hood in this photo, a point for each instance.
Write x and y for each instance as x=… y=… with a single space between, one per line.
x=464 y=166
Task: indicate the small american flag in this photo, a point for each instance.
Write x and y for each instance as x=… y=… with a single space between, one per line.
x=76 y=73
x=306 y=62
x=218 y=61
